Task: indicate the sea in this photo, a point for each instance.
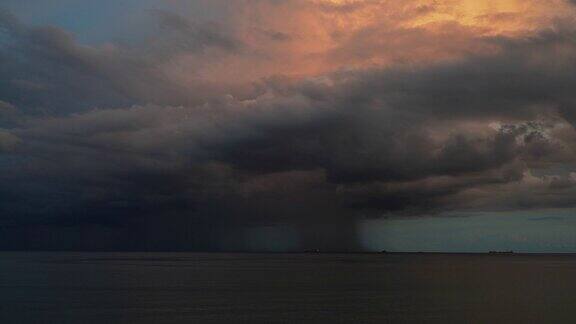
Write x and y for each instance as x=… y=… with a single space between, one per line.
x=59 y=288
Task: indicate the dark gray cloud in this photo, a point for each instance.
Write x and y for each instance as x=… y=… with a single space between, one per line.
x=44 y=71
x=182 y=35
x=159 y=166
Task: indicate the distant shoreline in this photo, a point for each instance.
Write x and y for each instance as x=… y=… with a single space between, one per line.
x=488 y=253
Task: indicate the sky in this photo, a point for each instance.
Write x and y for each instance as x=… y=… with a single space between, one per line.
x=286 y=125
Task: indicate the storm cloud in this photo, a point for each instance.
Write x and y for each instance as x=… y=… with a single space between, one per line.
x=110 y=146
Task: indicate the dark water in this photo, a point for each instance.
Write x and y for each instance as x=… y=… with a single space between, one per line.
x=291 y=288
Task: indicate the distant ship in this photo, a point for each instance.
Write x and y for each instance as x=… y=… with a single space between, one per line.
x=501 y=252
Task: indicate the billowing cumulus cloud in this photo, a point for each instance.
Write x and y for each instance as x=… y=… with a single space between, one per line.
x=306 y=114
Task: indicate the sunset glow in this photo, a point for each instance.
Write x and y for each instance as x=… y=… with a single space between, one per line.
x=287 y=161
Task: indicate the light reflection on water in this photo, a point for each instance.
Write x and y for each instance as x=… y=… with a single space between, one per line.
x=285 y=288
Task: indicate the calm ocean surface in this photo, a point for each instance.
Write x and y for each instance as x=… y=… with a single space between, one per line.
x=285 y=288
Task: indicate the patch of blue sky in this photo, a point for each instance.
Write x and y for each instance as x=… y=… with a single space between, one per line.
x=521 y=231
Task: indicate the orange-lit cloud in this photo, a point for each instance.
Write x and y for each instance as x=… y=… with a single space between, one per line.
x=309 y=37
